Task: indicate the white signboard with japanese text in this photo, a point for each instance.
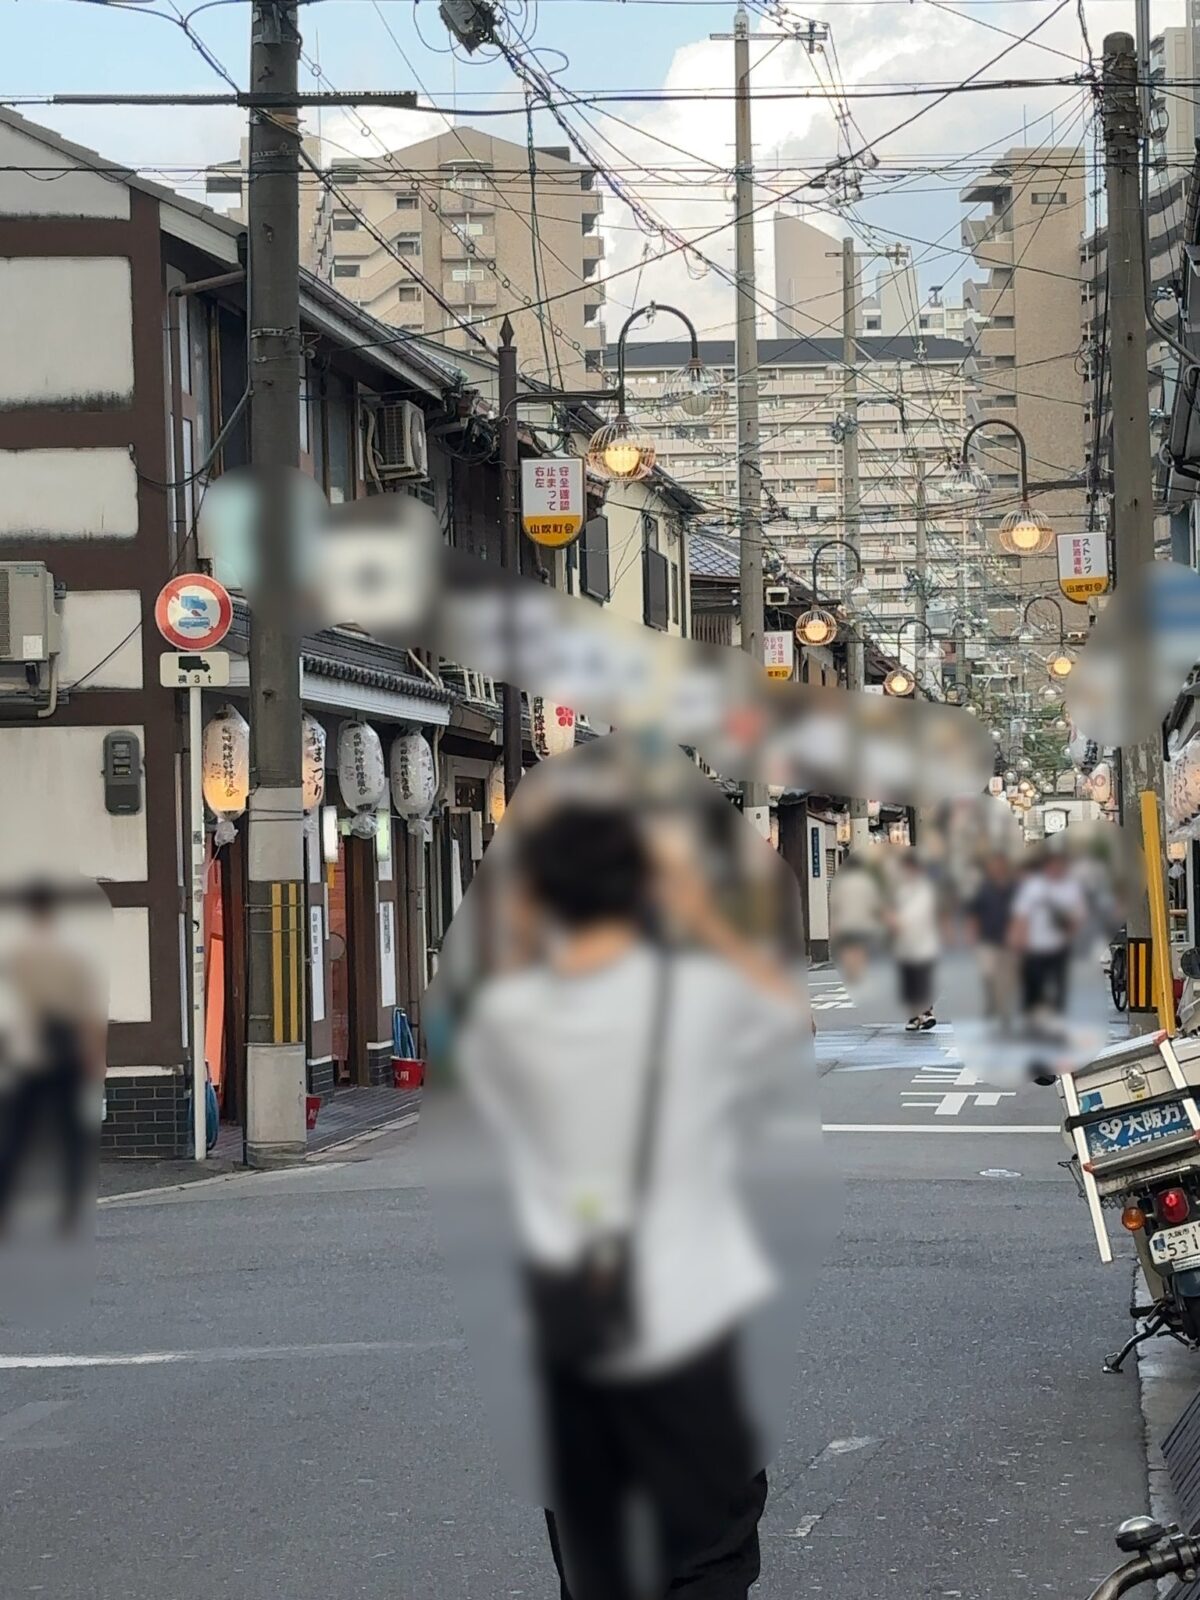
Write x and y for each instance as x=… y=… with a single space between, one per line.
x=1083 y=565
x=552 y=499
x=778 y=653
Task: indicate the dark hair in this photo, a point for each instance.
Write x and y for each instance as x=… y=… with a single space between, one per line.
x=38 y=898
x=586 y=863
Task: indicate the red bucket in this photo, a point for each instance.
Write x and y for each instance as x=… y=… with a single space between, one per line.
x=312 y=1105
x=407 y=1073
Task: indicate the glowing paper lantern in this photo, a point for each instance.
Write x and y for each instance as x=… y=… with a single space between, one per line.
x=362 y=775
x=414 y=777
x=313 y=744
x=225 y=764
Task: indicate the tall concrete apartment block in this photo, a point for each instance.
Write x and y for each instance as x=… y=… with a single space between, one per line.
x=1024 y=331
x=808 y=289
x=802 y=386
x=459 y=214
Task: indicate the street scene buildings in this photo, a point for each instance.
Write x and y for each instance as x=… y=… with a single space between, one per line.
x=599 y=803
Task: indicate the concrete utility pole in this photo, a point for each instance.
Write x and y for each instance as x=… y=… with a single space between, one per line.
x=1133 y=502
x=510 y=541
x=921 y=602
x=276 y=943
x=754 y=798
x=856 y=674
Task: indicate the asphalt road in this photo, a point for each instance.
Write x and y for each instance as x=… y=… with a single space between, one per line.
x=297 y=1419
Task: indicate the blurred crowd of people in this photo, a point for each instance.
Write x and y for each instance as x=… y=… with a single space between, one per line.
x=1022 y=917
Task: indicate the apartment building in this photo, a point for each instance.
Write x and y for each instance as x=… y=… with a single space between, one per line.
x=1174 y=112
x=1024 y=331
x=809 y=296
x=455 y=230
x=802 y=399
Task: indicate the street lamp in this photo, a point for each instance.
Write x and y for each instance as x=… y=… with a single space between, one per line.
x=1061 y=664
x=1024 y=532
x=900 y=680
x=817 y=626
x=619 y=450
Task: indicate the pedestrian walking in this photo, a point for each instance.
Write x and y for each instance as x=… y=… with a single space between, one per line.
x=856 y=917
x=916 y=940
x=1048 y=910
x=614 y=1069
x=989 y=915
x=56 y=1054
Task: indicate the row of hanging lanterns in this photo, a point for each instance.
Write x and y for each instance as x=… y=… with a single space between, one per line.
x=364 y=775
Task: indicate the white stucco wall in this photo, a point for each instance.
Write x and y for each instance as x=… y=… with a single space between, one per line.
x=101 y=639
x=52 y=815
x=77 y=193
x=66 y=330
x=67 y=494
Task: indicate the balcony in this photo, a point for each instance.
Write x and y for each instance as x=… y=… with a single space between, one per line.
x=476 y=247
x=593 y=247
x=483 y=292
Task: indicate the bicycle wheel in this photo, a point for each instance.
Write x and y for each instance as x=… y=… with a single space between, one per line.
x=1118 y=978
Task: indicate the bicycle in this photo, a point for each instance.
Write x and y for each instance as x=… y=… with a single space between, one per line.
x=1156 y=1552
x=1118 y=974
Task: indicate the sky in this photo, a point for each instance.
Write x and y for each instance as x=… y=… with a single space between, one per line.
x=645 y=47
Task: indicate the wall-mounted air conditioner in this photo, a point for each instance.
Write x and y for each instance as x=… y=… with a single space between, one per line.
x=399 y=445
x=29 y=623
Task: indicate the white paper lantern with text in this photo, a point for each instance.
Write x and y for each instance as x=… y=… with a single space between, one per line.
x=553 y=727
x=1100 y=784
x=225 y=764
x=414 y=777
x=362 y=775
x=312 y=740
x=1183 y=790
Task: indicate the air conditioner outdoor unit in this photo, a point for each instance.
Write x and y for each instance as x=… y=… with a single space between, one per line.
x=776 y=594
x=29 y=625
x=400 y=447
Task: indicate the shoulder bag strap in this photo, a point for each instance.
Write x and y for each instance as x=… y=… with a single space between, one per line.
x=660 y=1003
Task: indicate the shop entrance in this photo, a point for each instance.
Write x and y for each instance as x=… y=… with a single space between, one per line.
x=352 y=957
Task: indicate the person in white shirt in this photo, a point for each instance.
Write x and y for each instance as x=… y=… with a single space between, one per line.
x=1048 y=911
x=916 y=940
x=608 y=1034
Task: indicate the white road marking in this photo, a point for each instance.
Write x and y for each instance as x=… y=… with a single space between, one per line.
x=945 y=1127
x=950 y=1105
x=840 y=1447
x=270 y=1352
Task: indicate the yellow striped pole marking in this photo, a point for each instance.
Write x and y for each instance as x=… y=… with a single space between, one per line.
x=1153 y=851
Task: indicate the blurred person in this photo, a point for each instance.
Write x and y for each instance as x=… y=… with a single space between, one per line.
x=57 y=1053
x=916 y=937
x=1049 y=908
x=614 y=1071
x=856 y=905
x=989 y=915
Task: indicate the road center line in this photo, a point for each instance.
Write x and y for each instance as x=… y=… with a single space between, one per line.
x=948 y=1127
x=270 y=1352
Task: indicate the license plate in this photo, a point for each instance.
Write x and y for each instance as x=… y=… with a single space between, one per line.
x=1126 y=1130
x=1173 y=1247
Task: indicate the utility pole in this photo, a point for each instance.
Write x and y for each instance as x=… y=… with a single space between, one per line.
x=856 y=674
x=1133 y=503
x=750 y=584
x=510 y=542
x=922 y=549
x=276 y=943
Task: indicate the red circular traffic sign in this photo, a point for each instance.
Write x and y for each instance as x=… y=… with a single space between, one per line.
x=193 y=612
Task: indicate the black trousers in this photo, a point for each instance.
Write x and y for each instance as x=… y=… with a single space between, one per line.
x=1044 y=980
x=675 y=1453
x=46 y=1102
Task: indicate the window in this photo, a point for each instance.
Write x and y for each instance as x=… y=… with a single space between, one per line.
x=674 y=591
x=593 y=559
x=655 y=588
x=344 y=222
x=345 y=269
x=649 y=531
x=408 y=292
x=923 y=322
x=872 y=325
x=1056 y=198
x=407 y=244
x=467 y=275
x=406 y=202
x=1002 y=322
x=466 y=178
x=471 y=228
